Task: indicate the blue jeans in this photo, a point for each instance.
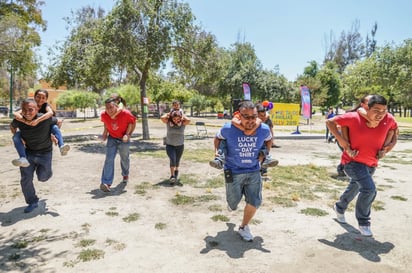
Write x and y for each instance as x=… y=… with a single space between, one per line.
x=360 y=182
x=19 y=145
x=175 y=154
x=247 y=184
x=112 y=146
x=41 y=163
x=55 y=130
x=222 y=150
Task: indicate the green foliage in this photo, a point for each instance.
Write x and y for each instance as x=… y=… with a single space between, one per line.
x=330 y=86
x=128 y=92
x=84 y=61
x=241 y=66
x=77 y=100
x=199 y=103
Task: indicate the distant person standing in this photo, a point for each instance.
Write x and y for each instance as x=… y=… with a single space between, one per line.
x=329 y=115
x=367 y=145
x=176 y=123
x=38 y=150
x=242 y=163
x=119 y=125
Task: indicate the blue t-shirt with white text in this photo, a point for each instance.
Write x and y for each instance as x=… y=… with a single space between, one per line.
x=242 y=153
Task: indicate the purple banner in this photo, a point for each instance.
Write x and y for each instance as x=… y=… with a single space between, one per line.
x=305 y=95
x=246 y=91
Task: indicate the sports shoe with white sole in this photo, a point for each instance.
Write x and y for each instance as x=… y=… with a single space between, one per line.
x=64 y=149
x=340 y=217
x=21 y=162
x=105 y=187
x=244 y=232
x=216 y=163
x=365 y=231
x=269 y=162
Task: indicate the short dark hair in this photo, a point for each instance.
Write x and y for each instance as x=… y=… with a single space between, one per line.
x=247 y=104
x=377 y=99
x=260 y=107
x=27 y=101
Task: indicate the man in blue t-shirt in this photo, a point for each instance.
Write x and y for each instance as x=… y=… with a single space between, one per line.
x=242 y=163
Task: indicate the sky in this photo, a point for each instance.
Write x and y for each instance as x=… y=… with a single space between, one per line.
x=287 y=34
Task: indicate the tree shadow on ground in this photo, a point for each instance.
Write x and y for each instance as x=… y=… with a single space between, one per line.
x=231 y=243
x=23 y=252
x=352 y=240
x=91 y=143
x=17 y=214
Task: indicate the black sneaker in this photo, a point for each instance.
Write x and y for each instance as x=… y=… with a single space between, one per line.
x=172 y=179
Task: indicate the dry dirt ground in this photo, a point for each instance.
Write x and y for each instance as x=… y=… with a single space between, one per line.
x=75 y=218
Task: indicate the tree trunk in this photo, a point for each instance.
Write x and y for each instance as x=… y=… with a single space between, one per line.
x=145 y=123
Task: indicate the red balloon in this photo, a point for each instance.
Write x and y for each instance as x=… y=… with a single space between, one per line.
x=265 y=103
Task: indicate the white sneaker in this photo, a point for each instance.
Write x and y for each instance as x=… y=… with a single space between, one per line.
x=21 y=162
x=245 y=233
x=340 y=217
x=365 y=231
x=64 y=149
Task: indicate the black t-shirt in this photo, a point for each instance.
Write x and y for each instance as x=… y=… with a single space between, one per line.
x=269 y=122
x=37 y=137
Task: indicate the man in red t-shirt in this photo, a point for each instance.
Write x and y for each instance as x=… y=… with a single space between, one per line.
x=360 y=157
x=119 y=125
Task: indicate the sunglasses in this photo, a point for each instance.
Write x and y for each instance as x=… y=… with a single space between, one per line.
x=247 y=117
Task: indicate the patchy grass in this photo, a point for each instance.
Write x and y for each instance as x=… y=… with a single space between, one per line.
x=112 y=213
x=115 y=244
x=215 y=208
x=189 y=179
x=220 y=217
x=207 y=198
x=400 y=198
x=143 y=187
x=378 y=205
x=86 y=243
x=199 y=155
x=291 y=184
x=313 y=212
x=86 y=227
x=20 y=244
x=160 y=226
x=396 y=158
x=90 y=254
x=131 y=217
x=182 y=199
